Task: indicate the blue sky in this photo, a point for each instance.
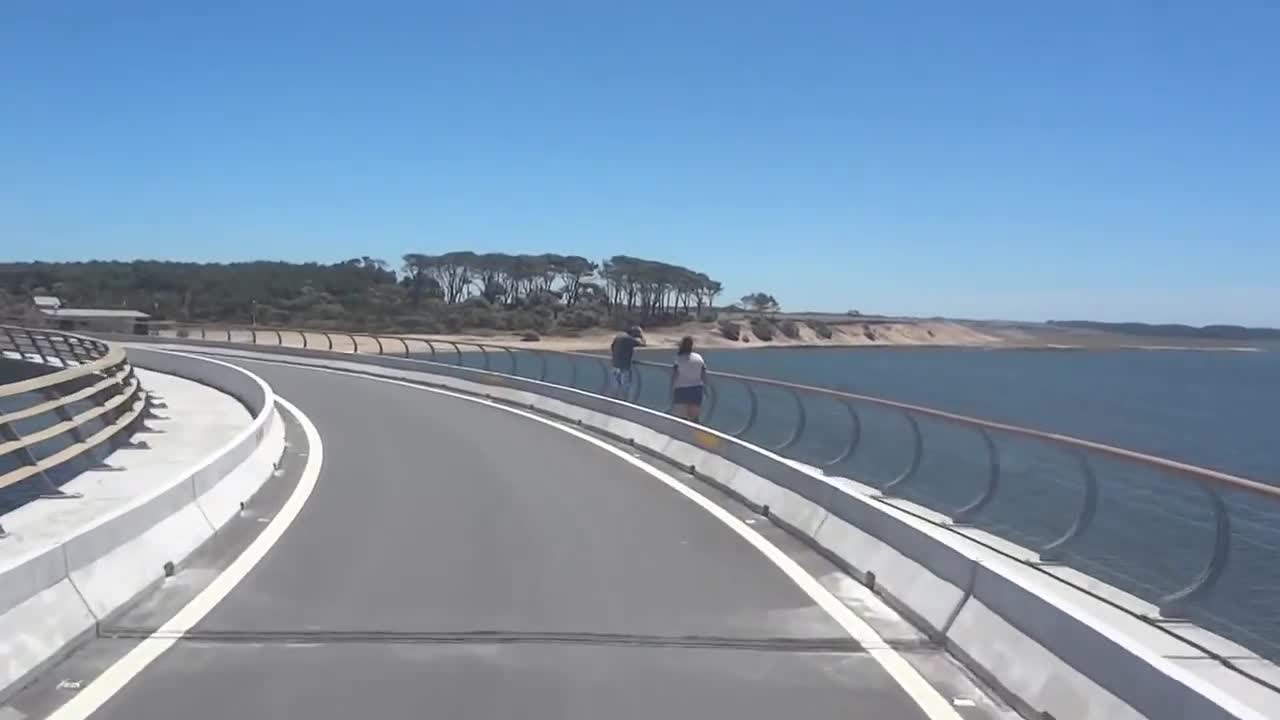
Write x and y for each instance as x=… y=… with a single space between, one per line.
x=1110 y=160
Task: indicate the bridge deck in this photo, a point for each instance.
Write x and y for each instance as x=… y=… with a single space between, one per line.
x=459 y=561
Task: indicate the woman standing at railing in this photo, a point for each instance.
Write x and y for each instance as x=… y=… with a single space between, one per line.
x=688 y=376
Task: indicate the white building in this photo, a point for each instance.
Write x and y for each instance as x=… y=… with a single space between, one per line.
x=50 y=310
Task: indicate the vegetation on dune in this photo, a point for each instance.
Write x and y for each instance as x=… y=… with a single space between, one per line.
x=762 y=328
x=427 y=293
x=1215 y=332
x=822 y=329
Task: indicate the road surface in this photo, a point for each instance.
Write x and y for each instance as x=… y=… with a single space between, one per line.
x=459 y=561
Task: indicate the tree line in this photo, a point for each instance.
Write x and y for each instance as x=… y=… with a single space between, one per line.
x=647 y=287
x=426 y=293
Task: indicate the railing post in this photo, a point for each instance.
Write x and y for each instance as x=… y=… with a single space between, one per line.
x=966 y=513
x=1053 y=551
x=573 y=372
x=917 y=454
x=9 y=434
x=709 y=407
x=515 y=367
x=1175 y=604
x=752 y=411
x=801 y=420
x=637 y=375
x=855 y=436
x=63 y=414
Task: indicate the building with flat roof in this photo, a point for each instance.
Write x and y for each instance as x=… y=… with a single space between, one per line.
x=50 y=311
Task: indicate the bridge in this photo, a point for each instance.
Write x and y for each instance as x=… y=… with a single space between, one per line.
x=402 y=527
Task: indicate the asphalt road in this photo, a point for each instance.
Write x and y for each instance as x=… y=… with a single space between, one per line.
x=458 y=561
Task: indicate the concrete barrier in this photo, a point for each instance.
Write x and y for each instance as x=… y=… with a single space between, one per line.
x=54 y=598
x=1047 y=647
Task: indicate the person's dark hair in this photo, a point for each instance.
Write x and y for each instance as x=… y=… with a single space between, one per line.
x=686 y=346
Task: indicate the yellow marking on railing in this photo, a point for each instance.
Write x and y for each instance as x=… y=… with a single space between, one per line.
x=706 y=440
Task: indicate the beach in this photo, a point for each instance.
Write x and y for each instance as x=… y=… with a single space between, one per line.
x=853 y=332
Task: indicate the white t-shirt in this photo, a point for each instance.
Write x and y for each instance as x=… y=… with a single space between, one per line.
x=689 y=370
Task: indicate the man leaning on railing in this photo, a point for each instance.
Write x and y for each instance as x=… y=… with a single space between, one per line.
x=623 y=351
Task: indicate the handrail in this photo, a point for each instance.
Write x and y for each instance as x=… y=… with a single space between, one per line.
x=1202 y=473
x=1196 y=471
x=1051 y=541
x=87 y=370
x=113 y=358
x=1164 y=463
x=63 y=400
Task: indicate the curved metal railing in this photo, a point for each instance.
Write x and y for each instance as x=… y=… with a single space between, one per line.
x=1193 y=541
x=70 y=396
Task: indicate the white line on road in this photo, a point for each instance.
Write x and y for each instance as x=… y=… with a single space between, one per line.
x=136 y=660
x=934 y=705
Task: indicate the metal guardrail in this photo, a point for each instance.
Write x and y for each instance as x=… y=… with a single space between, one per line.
x=77 y=394
x=1197 y=543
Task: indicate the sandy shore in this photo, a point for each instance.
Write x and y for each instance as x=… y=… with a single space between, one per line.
x=879 y=332
x=707 y=335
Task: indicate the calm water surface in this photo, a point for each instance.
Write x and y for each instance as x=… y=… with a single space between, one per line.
x=1216 y=409
x=1153 y=530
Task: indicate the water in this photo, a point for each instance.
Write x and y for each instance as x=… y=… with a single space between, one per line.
x=1213 y=409
x=1153 y=531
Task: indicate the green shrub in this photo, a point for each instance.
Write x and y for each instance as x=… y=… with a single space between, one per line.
x=182 y=333
x=730 y=330
x=417 y=324
x=822 y=329
x=326 y=311
x=762 y=328
x=526 y=320
x=579 y=318
x=790 y=329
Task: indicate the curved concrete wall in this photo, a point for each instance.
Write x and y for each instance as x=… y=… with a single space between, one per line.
x=1048 y=647
x=53 y=598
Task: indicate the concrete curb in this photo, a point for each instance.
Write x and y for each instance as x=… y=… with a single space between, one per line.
x=1047 y=647
x=55 y=598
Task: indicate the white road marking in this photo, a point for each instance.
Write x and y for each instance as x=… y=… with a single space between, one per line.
x=102 y=688
x=934 y=705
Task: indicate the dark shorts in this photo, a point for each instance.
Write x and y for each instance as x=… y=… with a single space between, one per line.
x=687 y=395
